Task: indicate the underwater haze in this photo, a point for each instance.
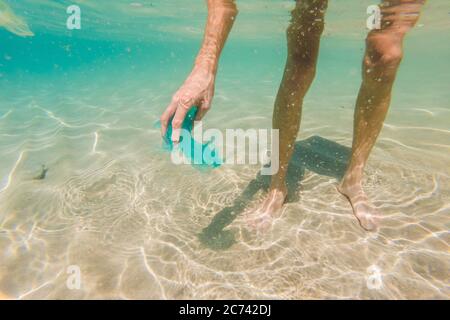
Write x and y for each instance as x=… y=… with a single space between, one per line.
x=84 y=184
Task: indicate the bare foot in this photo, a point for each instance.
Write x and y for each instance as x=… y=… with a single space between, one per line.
x=364 y=211
x=262 y=218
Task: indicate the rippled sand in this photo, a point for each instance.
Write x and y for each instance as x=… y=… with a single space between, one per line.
x=113 y=205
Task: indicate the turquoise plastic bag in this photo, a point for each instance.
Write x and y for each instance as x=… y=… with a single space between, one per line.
x=200 y=155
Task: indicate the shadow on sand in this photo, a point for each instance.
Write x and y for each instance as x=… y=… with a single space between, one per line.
x=317 y=154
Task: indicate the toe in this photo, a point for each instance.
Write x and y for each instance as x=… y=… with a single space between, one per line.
x=367 y=217
x=368 y=223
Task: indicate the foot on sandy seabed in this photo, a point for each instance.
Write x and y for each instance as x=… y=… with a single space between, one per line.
x=367 y=215
x=262 y=218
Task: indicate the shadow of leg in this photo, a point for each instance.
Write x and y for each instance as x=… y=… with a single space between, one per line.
x=214 y=236
x=316 y=154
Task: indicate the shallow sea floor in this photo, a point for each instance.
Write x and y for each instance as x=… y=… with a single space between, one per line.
x=114 y=207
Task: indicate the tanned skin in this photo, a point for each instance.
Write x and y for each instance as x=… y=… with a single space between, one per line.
x=384 y=52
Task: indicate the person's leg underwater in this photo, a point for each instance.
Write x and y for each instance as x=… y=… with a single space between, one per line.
x=384 y=52
x=303 y=39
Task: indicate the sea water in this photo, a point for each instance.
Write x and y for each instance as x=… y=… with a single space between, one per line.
x=113 y=217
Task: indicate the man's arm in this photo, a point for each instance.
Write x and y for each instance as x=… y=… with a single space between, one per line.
x=198 y=89
x=221 y=15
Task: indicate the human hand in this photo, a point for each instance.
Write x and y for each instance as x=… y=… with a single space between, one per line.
x=197 y=90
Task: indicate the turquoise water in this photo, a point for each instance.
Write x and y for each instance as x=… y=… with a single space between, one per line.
x=83 y=103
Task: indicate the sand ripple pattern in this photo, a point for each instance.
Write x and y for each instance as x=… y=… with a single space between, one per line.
x=115 y=206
